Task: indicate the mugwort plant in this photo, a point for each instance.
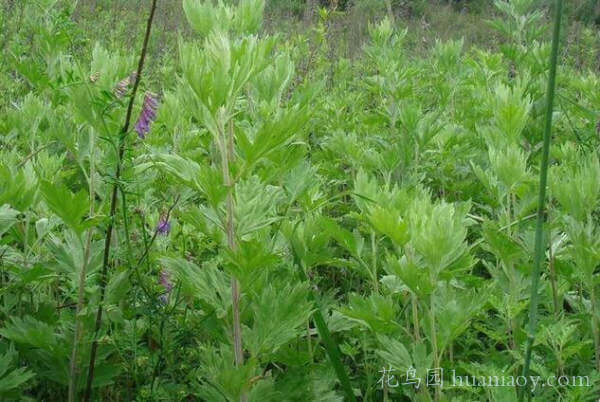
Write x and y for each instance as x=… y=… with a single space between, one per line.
x=209 y=201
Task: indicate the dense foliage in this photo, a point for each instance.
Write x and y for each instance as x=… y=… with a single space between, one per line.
x=264 y=206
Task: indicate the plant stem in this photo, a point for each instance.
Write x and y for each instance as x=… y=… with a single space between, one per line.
x=595 y=324
x=539 y=251
x=553 y=280
x=113 y=205
x=309 y=343
x=415 y=317
x=81 y=285
x=434 y=345
x=374 y=261
x=160 y=353
x=510 y=330
x=226 y=157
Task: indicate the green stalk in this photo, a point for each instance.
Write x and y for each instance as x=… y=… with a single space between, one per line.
x=374 y=261
x=553 y=280
x=227 y=154
x=595 y=324
x=415 y=316
x=309 y=343
x=434 y=344
x=73 y=368
x=539 y=249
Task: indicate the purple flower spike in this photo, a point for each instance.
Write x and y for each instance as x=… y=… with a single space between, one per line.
x=147 y=115
x=123 y=85
x=165 y=280
x=164 y=226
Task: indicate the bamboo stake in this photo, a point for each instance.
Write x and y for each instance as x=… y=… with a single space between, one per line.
x=539 y=243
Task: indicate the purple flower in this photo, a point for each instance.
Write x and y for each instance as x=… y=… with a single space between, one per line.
x=123 y=85
x=165 y=280
x=147 y=115
x=163 y=226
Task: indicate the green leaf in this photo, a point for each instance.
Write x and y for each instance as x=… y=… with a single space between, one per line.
x=248 y=16
x=10 y=379
x=439 y=233
x=8 y=217
x=376 y=312
x=18 y=187
x=413 y=275
x=390 y=223
x=504 y=247
x=118 y=287
x=205 y=179
x=208 y=284
x=70 y=207
x=348 y=240
x=30 y=331
x=395 y=353
x=576 y=187
x=276 y=323
x=249 y=260
x=202 y=16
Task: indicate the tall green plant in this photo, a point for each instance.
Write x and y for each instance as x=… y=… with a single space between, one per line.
x=122 y=141
x=539 y=227
x=238 y=90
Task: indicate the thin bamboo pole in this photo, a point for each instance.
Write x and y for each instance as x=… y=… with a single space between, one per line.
x=539 y=229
